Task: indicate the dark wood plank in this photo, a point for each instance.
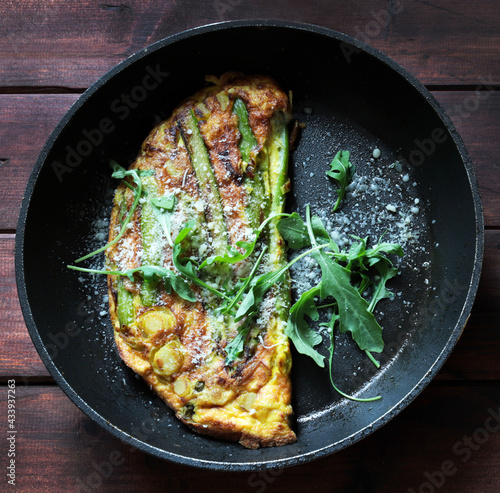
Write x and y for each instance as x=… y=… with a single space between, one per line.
x=477 y=118
x=29 y=119
x=474 y=358
x=446 y=441
x=18 y=356
x=72 y=43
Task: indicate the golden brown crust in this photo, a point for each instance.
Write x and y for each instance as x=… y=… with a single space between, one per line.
x=178 y=346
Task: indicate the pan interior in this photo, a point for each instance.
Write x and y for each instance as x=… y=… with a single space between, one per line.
x=348 y=99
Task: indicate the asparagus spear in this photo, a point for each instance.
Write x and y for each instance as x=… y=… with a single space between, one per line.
x=279 y=149
x=248 y=142
x=271 y=170
x=125 y=304
x=279 y=183
x=151 y=252
x=255 y=182
x=268 y=186
x=200 y=161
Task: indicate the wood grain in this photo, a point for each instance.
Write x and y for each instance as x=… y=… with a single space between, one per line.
x=58 y=448
x=51 y=51
x=29 y=120
x=69 y=43
x=474 y=358
x=18 y=356
x=476 y=116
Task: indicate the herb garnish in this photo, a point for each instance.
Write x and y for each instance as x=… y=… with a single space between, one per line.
x=249 y=307
x=234 y=255
x=352 y=312
x=341 y=170
x=298 y=330
x=187 y=265
x=163 y=208
x=150 y=273
x=245 y=282
x=120 y=173
x=346 y=276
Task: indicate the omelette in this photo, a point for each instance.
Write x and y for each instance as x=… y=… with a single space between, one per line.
x=194 y=225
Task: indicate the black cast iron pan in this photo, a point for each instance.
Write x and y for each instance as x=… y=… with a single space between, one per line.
x=350 y=96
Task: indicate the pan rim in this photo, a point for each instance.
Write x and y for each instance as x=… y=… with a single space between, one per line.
x=303 y=457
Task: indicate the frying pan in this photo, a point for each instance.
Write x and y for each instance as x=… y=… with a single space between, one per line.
x=349 y=96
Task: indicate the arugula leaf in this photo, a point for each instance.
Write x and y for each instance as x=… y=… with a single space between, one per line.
x=232 y=256
x=235 y=255
x=297 y=329
x=120 y=172
x=244 y=285
x=294 y=231
x=376 y=253
x=386 y=272
x=258 y=288
x=352 y=313
x=331 y=324
x=236 y=346
x=171 y=281
x=320 y=233
x=330 y=373
x=353 y=309
x=262 y=283
x=185 y=231
x=166 y=202
x=357 y=254
x=163 y=208
x=341 y=170
x=250 y=305
x=186 y=266
x=150 y=273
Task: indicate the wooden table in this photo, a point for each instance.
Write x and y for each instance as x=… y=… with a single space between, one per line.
x=448 y=439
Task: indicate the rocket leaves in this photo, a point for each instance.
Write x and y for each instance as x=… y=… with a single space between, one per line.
x=341 y=170
x=352 y=312
x=352 y=308
x=259 y=286
x=121 y=173
x=150 y=273
x=298 y=329
x=163 y=208
x=186 y=265
x=248 y=247
x=295 y=231
x=353 y=281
